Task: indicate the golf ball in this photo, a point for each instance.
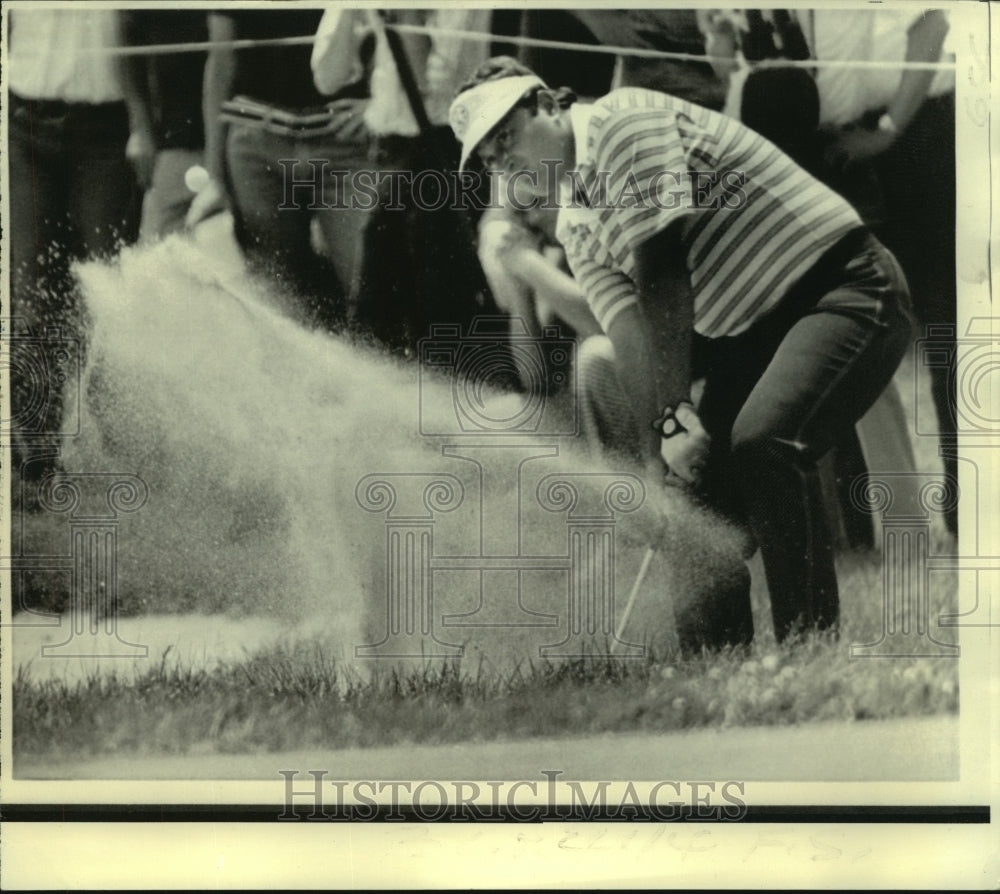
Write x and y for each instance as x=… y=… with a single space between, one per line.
x=195 y=178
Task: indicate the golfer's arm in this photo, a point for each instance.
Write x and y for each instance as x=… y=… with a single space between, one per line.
x=637 y=363
x=652 y=341
x=556 y=287
x=664 y=286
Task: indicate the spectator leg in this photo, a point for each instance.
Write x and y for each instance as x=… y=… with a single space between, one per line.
x=42 y=244
x=276 y=240
x=921 y=233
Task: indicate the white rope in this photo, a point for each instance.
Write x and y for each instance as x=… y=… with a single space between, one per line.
x=483 y=37
x=157 y=49
x=663 y=54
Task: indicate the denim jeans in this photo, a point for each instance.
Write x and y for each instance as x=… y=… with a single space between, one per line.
x=73 y=195
x=776 y=399
x=780 y=395
x=273 y=221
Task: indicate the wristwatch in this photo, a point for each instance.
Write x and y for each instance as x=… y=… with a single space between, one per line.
x=667 y=424
x=886 y=124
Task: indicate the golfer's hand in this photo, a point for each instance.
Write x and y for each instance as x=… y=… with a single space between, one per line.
x=210 y=199
x=685 y=453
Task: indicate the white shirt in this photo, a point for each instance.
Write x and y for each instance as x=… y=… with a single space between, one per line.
x=845 y=94
x=55 y=54
x=451 y=61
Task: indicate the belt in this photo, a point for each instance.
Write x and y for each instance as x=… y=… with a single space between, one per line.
x=299 y=123
x=58 y=108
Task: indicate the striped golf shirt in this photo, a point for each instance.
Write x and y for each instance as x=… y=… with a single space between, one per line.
x=752 y=221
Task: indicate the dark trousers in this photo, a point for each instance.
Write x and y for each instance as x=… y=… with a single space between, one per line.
x=73 y=195
x=907 y=197
x=778 y=397
x=417 y=264
x=917 y=174
x=272 y=218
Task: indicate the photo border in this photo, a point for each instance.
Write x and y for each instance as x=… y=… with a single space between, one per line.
x=111 y=834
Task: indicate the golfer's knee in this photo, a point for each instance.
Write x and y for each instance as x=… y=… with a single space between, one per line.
x=755 y=449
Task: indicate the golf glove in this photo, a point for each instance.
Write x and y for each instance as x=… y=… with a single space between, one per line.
x=684 y=444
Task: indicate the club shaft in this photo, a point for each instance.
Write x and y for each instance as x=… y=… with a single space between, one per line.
x=639 y=580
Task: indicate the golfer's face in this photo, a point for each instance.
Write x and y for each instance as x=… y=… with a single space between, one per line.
x=526 y=147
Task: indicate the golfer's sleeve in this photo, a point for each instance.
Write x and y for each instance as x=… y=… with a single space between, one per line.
x=608 y=291
x=649 y=188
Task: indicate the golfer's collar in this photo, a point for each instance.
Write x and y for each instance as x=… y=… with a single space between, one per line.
x=579 y=116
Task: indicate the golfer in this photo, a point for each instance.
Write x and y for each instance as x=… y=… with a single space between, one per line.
x=687 y=230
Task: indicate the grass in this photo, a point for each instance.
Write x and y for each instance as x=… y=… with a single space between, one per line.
x=294 y=699
x=296 y=695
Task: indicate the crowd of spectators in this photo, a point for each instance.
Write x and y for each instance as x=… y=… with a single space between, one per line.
x=106 y=148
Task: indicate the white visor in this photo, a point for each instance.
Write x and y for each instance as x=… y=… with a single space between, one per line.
x=475 y=112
